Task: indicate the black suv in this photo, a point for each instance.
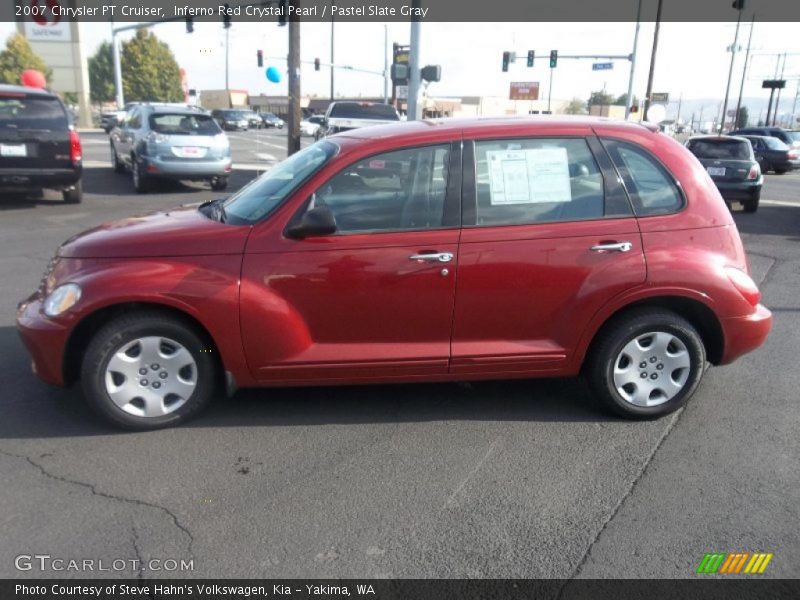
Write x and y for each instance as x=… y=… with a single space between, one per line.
x=38 y=146
x=790 y=138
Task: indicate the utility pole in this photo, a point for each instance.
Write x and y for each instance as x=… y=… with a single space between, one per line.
x=550 y=90
x=730 y=69
x=117 y=69
x=385 y=63
x=778 y=99
x=414 y=108
x=629 y=101
x=227 y=59
x=652 y=61
x=293 y=138
x=333 y=62
x=680 y=102
x=744 y=73
x=772 y=91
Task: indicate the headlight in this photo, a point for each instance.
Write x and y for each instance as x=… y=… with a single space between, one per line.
x=62 y=299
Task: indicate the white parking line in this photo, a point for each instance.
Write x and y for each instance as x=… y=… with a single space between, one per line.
x=257 y=141
x=780 y=203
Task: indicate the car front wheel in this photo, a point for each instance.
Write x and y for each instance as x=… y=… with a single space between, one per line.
x=646 y=363
x=147 y=371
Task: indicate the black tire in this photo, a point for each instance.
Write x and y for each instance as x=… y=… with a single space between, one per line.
x=780 y=171
x=125 y=329
x=219 y=183
x=608 y=346
x=73 y=195
x=751 y=204
x=764 y=166
x=141 y=182
x=116 y=163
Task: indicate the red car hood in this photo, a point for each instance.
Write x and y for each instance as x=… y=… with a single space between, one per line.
x=180 y=232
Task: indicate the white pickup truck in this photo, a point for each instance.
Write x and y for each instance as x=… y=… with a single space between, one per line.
x=346 y=115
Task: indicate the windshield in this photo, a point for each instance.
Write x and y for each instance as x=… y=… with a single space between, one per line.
x=32 y=113
x=261 y=196
x=363 y=110
x=720 y=149
x=183 y=124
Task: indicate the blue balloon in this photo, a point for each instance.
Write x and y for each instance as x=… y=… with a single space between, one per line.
x=274 y=75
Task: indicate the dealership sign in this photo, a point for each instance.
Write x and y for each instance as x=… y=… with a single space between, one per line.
x=46 y=24
x=524 y=90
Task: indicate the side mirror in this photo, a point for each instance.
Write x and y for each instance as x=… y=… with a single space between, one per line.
x=317 y=221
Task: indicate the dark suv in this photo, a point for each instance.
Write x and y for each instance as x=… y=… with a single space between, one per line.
x=38 y=146
x=790 y=138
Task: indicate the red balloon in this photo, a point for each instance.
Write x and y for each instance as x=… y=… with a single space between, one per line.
x=33 y=78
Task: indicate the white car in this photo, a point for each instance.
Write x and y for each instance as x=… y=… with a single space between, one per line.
x=311 y=125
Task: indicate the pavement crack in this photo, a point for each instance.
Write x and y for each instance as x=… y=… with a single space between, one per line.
x=93 y=489
x=621 y=502
x=138 y=553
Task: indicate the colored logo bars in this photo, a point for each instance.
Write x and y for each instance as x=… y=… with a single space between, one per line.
x=735 y=563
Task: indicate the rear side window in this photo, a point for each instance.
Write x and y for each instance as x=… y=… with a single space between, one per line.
x=775 y=144
x=652 y=189
x=720 y=149
x=32 y=113
x=182 y=124
x=537 y=180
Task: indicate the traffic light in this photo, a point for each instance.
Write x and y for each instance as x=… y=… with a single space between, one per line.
x=506 y=60
x=226 y=16
x=316 y=64
x=553 y=58
x=431 y=73
x=399 y=73
x=530 y=58
x=190 y=25
x=260 y=58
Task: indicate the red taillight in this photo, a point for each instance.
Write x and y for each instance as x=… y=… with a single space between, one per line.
x=755 y=171
x=75 y=150
x=792 y=155
x=744 y=284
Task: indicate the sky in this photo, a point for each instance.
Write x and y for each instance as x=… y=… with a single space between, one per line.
x=692 y=59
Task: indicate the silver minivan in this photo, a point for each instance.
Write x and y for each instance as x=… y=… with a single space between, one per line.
x=166 y=142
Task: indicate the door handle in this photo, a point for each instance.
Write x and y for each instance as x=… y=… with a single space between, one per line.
x=432 y=257
x=613 y=247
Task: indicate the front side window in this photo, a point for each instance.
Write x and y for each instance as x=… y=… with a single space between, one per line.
x=261 y=196
x=394 y=191
x=652 y=189
x=523 y=181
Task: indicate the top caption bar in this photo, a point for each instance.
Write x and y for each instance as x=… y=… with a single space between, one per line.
x=270 y=11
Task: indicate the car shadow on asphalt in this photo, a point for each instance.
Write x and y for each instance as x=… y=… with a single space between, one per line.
x=770 y=220
x=32 y=409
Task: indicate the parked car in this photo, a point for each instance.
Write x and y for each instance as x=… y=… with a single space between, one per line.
x=579 y=246
x=347 y=115
x=162 y=142
x=732 y=165
x=272 y=120
x=254 y=120
x=311 y=125
x=38 y=147
x=790 y=138
x=231 y=119
x=773 y=155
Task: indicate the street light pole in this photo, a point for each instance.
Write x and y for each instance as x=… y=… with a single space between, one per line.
x=293 y=138
x=414 y=108
x=332 y=61
x=730 y=71
x=778 y=99
x=744 y=73
x=633 y=62
x=652 y=61
x=385 y=63
x=117 y=70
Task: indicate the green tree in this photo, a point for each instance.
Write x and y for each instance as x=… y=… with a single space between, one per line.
x=19 y=56
x=576 y=106
x=149 y=70
x=622 y=100
x=743 y=118
x=101 y=74
x=600 y=98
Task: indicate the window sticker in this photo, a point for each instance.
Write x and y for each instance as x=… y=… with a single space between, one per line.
x=536 y=175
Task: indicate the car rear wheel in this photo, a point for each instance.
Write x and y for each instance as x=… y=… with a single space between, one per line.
x=751 y=204
x=780 y=171
x=146 y=371
x=219 y=183
x=116 y=164
x=141 y=182
x=74 y=194
x=646 y=363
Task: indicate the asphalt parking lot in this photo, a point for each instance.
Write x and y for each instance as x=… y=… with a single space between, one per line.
x=495 y=479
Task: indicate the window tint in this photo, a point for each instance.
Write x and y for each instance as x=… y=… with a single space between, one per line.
x=183 y=124
x=32 y=113
x=363 y=110
x=395 y=191
x=542 y=180
x=720 y=149
x=652 y=190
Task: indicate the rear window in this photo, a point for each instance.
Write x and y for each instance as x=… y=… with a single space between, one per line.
x=720 y=149
x=774 y=143
x=32 y=113
x=182 y=124
x=358 y=110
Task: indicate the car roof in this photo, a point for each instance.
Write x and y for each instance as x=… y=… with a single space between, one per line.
x=170 y=109
x=473 y=125
x=720 y=138
x=29 y=91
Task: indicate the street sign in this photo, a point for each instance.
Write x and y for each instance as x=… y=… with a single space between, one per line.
x=602 y=66
x=524 y=90
x=402 y=92
x=774 y=84
x=659 y=97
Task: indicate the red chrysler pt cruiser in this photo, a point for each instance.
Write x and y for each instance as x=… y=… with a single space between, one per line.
x=425 y=251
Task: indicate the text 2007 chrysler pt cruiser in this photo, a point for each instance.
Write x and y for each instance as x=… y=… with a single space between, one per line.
x=424 y=251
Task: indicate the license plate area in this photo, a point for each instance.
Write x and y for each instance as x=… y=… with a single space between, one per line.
x=13 y=150
x=189 y=151
x=718 y=171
